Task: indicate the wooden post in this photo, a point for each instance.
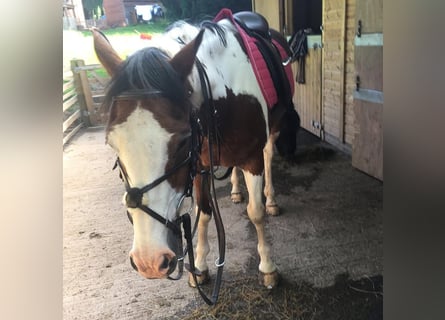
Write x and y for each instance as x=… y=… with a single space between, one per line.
x=83 y=91
x=341 y=133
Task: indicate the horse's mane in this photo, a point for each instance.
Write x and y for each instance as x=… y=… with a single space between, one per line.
x=147 y=69
x=216 y=29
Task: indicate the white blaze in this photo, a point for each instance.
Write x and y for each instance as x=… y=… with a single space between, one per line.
x=141 y=144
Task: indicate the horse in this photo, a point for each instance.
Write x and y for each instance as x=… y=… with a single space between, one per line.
x=189 y=102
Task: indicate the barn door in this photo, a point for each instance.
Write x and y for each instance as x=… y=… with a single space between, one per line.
x=367 y=148
x=307 y=96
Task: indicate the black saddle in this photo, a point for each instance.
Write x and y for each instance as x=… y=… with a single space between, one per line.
x=255 y=25
x=251 y=21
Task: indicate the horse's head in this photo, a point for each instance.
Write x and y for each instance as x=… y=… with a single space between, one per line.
x=150 y=130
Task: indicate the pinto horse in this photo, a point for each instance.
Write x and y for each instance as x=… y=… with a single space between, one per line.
x=187 y=103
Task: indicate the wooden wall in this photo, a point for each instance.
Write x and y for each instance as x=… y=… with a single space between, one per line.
x=338 y=79
x=270 y=9
x=351 y=28
x=333 y=76
x=338 y=74
x=307 y=96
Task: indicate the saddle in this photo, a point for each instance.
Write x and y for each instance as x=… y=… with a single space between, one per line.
x=266 y=53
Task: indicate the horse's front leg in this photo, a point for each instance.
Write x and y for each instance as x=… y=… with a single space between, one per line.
x=235 y=195
x=271 y=205
x=202 y=244
x=255 y=210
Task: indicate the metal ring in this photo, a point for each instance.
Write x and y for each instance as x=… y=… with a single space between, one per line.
x=217 y=264
x=182 y=200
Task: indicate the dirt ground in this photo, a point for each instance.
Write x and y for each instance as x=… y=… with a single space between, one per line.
x=327 y=244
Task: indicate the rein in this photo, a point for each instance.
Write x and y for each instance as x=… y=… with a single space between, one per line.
x=134 y=195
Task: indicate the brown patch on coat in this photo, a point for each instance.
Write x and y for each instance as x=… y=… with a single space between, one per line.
x=174 y=119
x=242 y=128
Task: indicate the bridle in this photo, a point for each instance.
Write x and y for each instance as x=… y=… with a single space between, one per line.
x=134 y=195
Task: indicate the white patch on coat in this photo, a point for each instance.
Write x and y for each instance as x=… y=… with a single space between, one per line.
x=226 y=67
x=141 y=144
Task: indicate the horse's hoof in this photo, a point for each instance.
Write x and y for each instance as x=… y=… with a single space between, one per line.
x=236 y=197
x=202 y=279
x=269 y=280
x=272 y=210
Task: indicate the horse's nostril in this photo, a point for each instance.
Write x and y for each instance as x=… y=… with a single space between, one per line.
x=165 y=262
x=133 y=264
x=172 y=265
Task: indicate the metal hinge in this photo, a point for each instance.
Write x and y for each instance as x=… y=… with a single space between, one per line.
x=315 y=124
x=359 y=29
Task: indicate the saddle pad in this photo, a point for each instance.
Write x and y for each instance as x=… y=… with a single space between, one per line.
x=259 y=66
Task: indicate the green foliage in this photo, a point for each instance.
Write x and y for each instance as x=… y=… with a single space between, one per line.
x=91 y=4
x=196 y=10
x=93 y=8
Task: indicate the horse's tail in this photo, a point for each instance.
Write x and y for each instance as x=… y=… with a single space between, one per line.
x=286 y=142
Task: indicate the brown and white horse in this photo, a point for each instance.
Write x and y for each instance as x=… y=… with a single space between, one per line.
x=152 y=98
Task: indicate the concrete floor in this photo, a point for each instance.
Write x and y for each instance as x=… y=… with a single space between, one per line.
x=331 y=224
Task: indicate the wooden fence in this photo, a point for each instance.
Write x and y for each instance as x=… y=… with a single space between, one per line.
x=83 y=92
x=71 y=111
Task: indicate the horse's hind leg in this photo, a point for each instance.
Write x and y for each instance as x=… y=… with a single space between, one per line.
x=235 y=194
x=255 y=210
x=202 y=244
x=271 y=205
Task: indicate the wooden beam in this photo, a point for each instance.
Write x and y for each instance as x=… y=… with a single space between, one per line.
x=69 y=103
x=341 y=126
x=68 y=122
x=72 y=133
x=80 y=77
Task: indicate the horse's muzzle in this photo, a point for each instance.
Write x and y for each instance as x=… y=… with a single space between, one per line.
x=161 y=267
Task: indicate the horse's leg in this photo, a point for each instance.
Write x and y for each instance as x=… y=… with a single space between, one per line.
x=235 y=194
x=202 y=244
x=271 y=205
x=255 y=210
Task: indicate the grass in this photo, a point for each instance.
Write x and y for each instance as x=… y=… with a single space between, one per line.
x=151 y=28
x=125 y=40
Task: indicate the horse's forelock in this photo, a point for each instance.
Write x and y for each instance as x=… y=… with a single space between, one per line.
x=147 y=69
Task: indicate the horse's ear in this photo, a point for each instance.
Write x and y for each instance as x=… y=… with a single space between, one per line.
x=105 y=53
x=183 y=61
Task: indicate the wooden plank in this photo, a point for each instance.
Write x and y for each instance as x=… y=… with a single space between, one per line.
x=69 y=103
x=83 y=91
x=370 y=12
x=68 y=85
x=307 y=96
x=367 y=150
x=369 y=66
x=68 y=94
x=68 y=122
x=83 y=67
x=270 y=9
x=341 y=133
x=72 y=133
